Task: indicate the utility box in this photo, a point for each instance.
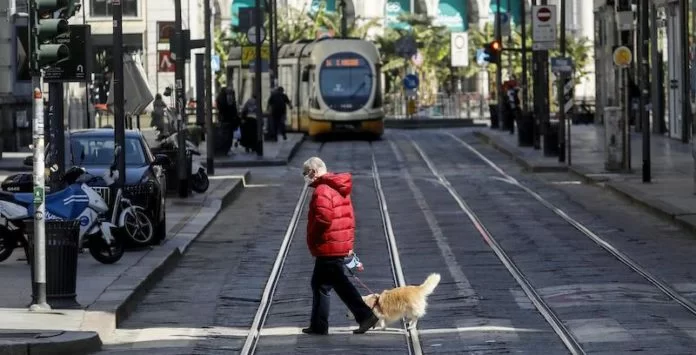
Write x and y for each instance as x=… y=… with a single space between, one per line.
x=614 y=139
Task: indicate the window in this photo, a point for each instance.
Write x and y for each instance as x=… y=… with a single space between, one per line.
x=99 y=151
x=345 y=81
x=102 y=8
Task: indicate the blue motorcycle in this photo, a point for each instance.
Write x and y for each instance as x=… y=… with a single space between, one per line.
x=77 y=201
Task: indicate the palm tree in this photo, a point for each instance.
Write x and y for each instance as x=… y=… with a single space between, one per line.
x=434 y=47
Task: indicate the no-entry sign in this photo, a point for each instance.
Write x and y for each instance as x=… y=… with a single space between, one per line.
x=544 y=27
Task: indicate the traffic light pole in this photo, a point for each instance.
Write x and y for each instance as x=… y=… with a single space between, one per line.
x=57 y=128
x=561 y=87
x=257 y=78
x=180 y=67
x=39 y=302
x=210 y=133
x=119 y=102
x=499 y=69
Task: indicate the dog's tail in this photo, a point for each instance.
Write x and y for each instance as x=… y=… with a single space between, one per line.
x=430 y=283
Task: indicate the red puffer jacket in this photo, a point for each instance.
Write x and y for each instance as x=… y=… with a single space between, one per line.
x=331 y=224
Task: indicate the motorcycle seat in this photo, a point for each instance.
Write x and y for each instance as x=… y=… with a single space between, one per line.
x=26 y=198
x=6 y=196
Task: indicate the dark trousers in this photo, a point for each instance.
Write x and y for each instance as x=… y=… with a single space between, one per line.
x=279 y=125
x=329 y=273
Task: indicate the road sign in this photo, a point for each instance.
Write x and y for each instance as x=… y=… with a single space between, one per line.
x=562 y=65
x=249 y=57
x=411 y=81
x=544 y=27
x=78 y=68
x=215 y=63
x=504 y=23
x=622 y=56
x=481 y=57
x=406 y=46
x=459 y=44
x=166 y=63
x=251 y=34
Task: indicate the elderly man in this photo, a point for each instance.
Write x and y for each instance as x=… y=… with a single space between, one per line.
x=330 y=235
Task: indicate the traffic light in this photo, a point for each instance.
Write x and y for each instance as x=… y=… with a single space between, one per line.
x=492 y=51
x=49 y=32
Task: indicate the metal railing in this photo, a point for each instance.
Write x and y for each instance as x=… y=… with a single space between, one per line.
x=469 y=105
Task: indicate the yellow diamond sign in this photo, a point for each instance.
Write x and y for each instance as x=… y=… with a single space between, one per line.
x=622 y=56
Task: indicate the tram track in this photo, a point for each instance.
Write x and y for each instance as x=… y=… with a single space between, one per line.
x=255 y=331
x=566 y=336
x=572 y=343
x=603 y=243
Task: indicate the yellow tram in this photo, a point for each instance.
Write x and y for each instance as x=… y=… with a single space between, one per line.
x=334 y=84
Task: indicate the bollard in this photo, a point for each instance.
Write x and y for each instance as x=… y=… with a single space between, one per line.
x=62 y=248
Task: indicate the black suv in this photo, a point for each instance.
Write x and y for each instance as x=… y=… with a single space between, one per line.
x=93 y=149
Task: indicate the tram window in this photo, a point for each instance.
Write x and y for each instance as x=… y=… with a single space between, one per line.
x=305 y=75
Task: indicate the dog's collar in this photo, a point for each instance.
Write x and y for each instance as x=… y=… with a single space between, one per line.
x=376 y=305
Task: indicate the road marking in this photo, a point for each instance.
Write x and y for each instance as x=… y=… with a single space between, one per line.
x=464 y=288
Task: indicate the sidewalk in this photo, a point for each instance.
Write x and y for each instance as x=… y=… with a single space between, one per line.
x=108 y=293
x=670 y=193
x=274 y=154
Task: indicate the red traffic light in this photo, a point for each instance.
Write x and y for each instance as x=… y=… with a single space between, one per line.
x=496 y=46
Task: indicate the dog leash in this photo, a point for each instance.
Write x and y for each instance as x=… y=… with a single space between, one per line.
x=365 y=287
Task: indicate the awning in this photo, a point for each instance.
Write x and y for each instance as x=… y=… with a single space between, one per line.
x=393 y=10
x=136 y=91
x=453 y=15
x=236 y=5
x=330 y=6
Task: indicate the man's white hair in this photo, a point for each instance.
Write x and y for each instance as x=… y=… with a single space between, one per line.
x=316 y=164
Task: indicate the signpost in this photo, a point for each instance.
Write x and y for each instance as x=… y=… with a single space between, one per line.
x=460 y=49
x=406 y=46
x=251 y=35
x=544 y=29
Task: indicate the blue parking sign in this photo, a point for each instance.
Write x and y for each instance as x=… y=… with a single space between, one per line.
x=215 y=63
x=411 y=81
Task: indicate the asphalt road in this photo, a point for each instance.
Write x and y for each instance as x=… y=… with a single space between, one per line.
x=207 y=304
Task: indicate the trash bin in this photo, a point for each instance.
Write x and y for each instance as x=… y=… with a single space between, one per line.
x=551 y=140
x=525 y=129
x=493 y=109
x=62 y=248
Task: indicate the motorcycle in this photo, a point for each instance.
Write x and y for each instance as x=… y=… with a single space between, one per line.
x=199 y=178
x=77 y=201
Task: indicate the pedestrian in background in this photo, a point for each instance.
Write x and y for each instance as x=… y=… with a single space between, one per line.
x=330 y=237
x=278 y=103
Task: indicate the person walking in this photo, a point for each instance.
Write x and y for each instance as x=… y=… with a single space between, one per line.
x=330 y=237
x=278 y=103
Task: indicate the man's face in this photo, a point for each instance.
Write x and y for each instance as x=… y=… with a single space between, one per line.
x=309 y=175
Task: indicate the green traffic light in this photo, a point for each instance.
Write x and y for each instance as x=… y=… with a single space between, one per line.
x=52 y=28
x=51 y=54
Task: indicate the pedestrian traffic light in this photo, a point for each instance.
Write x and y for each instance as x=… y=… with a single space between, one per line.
x=49 y=32
x=492 y=51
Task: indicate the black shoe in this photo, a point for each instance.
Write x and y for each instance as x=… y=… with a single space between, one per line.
x=311 y=331
x=366 y=325
x=285 y=137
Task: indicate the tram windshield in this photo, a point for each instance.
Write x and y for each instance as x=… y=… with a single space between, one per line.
x=345 y=81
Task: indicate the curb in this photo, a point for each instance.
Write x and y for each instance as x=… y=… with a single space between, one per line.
x=120 y=299
x=260 y=162
x=516 y=155
x=431 y=123
x=40 y=342
x=667 y=211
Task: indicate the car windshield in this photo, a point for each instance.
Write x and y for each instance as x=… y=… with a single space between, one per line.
x=99 y=151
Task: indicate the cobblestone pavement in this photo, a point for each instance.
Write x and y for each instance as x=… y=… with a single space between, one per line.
x=207 y=304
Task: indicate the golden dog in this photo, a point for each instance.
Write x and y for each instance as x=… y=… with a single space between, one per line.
x=407 y=302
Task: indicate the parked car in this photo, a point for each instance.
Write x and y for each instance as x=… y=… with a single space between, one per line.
x=93 y=149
